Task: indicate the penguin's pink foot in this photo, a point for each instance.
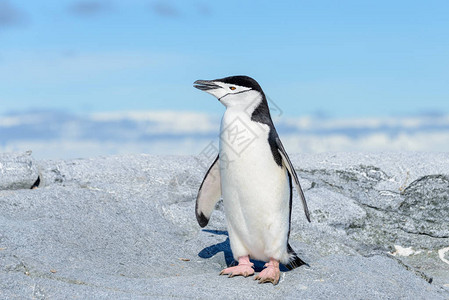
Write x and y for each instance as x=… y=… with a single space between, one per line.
x=271 y=273
x=244 y=268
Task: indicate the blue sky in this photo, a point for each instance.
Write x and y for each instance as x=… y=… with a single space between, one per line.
x=334 y=58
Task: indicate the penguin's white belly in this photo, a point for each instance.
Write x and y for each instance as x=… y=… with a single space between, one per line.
x=255 y=191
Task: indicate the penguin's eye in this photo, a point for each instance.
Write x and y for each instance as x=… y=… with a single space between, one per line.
x=232 y=87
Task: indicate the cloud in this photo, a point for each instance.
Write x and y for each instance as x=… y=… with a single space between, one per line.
x=164 y=9
x=204 y=9
x=89 y=8
x=9 y=15
x=164 y=122
x=168 y=10
x=58 y=135
x=437 y=141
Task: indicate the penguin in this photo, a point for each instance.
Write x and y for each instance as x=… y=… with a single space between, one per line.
x=253 y=174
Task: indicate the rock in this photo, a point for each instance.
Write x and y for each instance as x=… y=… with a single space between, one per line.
x=17 y=171
x=405 y=198
x=124 y=227
x=426 y=203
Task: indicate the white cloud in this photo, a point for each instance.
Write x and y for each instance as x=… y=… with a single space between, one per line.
x=414 y=122
x=164 y=121
x=378 y=142
x=55 y=135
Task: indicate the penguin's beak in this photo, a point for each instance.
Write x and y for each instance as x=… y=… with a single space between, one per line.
x=205 y=85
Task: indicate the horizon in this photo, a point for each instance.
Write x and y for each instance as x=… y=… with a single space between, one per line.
x=65 y=135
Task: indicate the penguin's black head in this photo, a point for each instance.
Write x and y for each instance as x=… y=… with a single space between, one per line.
x=233 y=90
x=241 y=80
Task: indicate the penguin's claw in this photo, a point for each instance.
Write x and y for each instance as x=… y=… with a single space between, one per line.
x=270 y=274
x=244 y=270
x=274 y=281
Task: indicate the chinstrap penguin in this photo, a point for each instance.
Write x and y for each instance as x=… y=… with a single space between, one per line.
x=253 y=174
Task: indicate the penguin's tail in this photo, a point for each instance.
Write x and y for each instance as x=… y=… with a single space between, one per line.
x=294 y=261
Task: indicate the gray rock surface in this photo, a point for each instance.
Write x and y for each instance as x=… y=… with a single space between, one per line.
x=17 y=171
x=124 y=227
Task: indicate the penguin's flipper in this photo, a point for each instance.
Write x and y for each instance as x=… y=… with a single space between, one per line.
x=208 y=194
x=288 y=164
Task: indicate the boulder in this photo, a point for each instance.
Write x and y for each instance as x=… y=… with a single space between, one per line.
x=17 y=171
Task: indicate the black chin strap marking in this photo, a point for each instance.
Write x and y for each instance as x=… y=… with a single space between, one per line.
x=219 y=99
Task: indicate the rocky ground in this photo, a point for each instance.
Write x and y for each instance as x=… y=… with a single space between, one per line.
x=124 y=227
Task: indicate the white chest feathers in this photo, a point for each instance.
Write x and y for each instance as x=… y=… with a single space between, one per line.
x=255 y=189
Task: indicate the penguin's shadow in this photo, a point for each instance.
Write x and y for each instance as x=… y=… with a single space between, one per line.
x=225 y=247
